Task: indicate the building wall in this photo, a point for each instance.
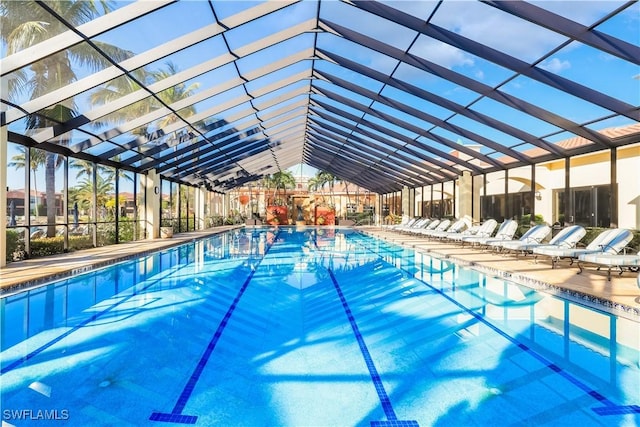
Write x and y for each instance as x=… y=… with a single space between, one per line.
x=629 y=187
x=585 y=171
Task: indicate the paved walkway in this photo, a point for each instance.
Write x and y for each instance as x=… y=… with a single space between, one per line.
x=622 y=293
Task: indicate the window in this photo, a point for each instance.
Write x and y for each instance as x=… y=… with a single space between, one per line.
x=588 y=206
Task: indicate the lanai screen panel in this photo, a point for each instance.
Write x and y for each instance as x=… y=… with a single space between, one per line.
x=381 y=94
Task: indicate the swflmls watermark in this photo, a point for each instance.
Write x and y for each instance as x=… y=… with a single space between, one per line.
x=35 y=414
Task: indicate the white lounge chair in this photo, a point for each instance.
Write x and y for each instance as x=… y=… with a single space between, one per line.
x=506 y=231
x=440 y=228
x=430 y=225
x=404 y=223
x=485 y=230
x=419 y=223
x=457 y=227
x=609 y=241
x=622 y=261
x=535 y=235
x=566 y=238
x=471 y=231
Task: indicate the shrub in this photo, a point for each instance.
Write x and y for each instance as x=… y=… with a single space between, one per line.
x=47 y=246
x=15 y=245
x=215 y=221
x=526 y=219
x=106 y=234
x=80 y=242
x=125 y=231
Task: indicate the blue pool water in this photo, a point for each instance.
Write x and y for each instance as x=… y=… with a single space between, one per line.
x=309 y=327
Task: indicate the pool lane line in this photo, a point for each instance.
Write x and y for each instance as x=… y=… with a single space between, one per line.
x=82 y=324
x=609 y=408
x=176 y=415
x=392 y=419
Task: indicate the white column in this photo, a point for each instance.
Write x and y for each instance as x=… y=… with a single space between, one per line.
x=478 y=190
x=464 y=195
x=3 y=194
x=201 y=200
x=152 y=207
x=4 y=160
x=226 y=200
x=406 y=203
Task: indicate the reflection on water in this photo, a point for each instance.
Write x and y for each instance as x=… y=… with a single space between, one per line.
x=437 y=301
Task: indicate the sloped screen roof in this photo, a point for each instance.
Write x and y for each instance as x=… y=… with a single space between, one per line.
x=379 y=94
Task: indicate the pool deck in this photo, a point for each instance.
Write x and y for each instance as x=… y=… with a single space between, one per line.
x=621 y=295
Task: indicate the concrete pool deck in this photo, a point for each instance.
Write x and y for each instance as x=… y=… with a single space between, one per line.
x=620 y=295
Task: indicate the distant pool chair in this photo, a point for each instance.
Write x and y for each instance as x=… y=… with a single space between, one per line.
x=610 y=241
x=535 y=235
x=440 y=228
x=457 y=227
x=485 y=230
x=428 y=225
x=404 y=223
x=418 y=223
x=622 y=262
x=506 y=231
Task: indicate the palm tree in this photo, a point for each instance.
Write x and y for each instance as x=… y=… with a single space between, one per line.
x=85 y=167
x=83 y=193
x=329 y=180
x=37 y=158
x=119 y=87
x=268 y=184
x=174 y=94
x=322 y=179
x=346 y=189
x=284 y=180
x=26 y=23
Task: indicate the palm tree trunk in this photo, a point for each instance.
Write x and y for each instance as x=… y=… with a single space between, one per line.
x=346 y=211
x=50 y=174
x=35 y=187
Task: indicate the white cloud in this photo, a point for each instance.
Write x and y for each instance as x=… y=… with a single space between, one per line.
x=441 y=53
x=555 y=65
x=502 y=31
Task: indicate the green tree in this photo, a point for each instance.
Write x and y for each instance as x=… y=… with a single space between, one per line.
x=330 y=181
x=37 y=159
x=279 y=180
x=83 y=193
x=26 y=23
x=122 y=86
x=84 y=167
x=321 y=180
x=174 y=94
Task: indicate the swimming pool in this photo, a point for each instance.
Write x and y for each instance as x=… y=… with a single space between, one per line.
x=312 y=326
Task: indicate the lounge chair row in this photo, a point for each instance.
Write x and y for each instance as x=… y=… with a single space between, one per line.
x=603 y=251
